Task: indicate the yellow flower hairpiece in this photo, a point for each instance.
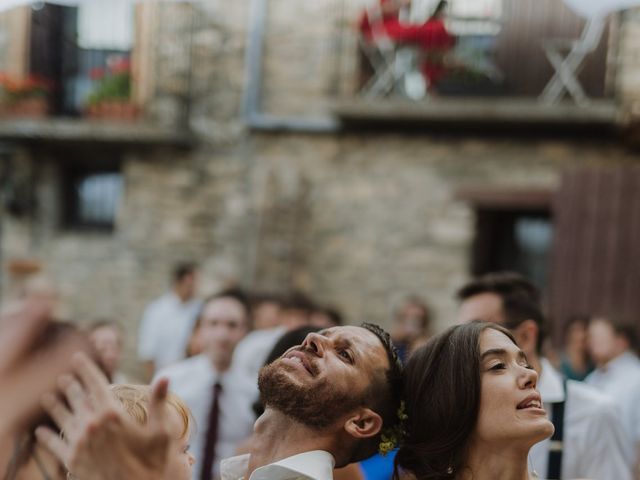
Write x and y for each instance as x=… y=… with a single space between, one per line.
x=392 y=437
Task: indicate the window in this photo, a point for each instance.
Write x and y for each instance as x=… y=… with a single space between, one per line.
x=514 y=240
x=84 y=52
x=514 y=231
x=92 y=197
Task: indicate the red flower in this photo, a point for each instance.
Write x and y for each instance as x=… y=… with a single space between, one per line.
x=96 y=73
x=32 y=86
x=121 y=65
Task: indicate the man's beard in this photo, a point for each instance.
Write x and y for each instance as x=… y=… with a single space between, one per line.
x=316 y=406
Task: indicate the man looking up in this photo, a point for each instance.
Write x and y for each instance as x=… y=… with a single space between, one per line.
x=294 y=312
x=327 y=403
x=593 y=443
x=218 y=395
x=168 y=321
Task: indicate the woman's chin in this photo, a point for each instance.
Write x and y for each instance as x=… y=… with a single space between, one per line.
x=542 y=430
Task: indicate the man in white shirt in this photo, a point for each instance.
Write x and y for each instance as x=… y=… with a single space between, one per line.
x=168 y=321
x=617 y=370
x=211 y=377
x=594 y=444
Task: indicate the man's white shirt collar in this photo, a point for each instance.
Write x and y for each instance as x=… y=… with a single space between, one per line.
x=314 y=465
x=550 y=383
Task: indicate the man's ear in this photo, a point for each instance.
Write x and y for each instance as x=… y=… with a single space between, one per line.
x=365 y=423
x=526 y=334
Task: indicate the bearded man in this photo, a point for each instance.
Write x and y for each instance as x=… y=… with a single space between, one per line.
x=327 y=403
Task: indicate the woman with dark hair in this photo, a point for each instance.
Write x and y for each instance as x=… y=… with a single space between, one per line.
x=474 y=411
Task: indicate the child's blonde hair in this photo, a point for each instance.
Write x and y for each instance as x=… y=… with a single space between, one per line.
x=136 y=398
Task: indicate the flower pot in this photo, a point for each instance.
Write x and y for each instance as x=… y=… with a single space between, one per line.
x=27 y=107
x=113 y=110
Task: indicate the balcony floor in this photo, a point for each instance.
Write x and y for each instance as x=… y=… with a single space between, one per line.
x=514 y=111
x=60 y=131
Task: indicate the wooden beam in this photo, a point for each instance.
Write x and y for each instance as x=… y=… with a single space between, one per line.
x=507 y=198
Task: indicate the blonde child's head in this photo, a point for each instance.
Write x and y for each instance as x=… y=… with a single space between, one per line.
x=135 y=400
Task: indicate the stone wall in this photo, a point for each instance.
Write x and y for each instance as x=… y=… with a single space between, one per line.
x=357 y=219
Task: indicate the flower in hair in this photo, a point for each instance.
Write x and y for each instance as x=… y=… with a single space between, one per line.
x=393 y=436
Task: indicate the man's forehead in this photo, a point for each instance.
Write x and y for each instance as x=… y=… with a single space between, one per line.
x=361 y=338
x=485 y=306
x=350 y=332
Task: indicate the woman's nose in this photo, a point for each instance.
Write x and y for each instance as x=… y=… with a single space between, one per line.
x=528 y=378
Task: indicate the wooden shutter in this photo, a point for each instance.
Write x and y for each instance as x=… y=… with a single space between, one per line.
x=596 y=258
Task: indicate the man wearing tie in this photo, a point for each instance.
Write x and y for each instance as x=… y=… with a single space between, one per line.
x=218 y=395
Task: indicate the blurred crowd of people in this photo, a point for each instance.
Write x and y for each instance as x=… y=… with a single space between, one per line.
x=257 y=385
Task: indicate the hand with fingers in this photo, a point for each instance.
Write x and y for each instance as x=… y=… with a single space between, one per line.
x=29 y=363
x=100 y=440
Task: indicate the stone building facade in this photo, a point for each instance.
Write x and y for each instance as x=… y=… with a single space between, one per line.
x=357 y=217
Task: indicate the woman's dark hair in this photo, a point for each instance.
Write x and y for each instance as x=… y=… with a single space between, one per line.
x=442 y=398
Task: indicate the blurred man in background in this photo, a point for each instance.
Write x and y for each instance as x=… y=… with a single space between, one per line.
x=295 y=312
x=410 y=325
x=107 y=339
x=266 y=310
x=167 y=322
x=219 y=396
x=326 y=317
x=617 y=372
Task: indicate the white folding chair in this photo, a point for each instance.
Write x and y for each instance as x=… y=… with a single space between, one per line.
x=389 y=67
x=567 y=67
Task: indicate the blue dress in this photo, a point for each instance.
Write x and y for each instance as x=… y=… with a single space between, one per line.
x=378 y=467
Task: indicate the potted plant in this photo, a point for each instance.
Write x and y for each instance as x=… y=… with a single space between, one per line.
x=24 y=97
x=112 y=95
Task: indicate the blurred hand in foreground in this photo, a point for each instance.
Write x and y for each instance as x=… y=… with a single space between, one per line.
x=101 y=441
x=29 y=365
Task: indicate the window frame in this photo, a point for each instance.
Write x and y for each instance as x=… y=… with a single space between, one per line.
x=73 y=169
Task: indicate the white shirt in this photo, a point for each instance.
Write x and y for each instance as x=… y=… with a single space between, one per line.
x=314 y=465
x=165 y=330
x=193 y=380
x=252 y=351
x=595 y=443
x=620 y=379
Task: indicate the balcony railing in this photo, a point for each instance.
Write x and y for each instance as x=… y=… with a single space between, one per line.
x=474 y=48
x=481 y=59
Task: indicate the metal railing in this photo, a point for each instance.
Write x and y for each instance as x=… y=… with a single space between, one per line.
x=498 y=50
